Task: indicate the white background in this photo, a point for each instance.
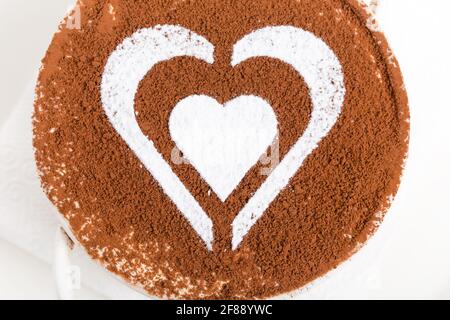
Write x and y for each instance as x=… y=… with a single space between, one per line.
x=413 y=260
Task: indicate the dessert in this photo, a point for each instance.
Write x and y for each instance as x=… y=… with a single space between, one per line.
x=221 y=149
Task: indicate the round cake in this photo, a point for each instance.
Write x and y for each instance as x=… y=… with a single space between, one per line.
x=211 y=149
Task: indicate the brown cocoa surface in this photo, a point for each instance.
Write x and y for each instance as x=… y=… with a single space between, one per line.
x=120 y=214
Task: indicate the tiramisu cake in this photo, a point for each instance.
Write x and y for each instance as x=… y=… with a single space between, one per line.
x=220 y=149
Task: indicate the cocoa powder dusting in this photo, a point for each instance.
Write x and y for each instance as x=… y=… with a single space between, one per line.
x=120 y=214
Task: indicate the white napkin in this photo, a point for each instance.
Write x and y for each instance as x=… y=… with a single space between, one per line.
x=27 y=217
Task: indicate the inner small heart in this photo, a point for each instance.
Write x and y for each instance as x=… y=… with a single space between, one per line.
x=223 y=142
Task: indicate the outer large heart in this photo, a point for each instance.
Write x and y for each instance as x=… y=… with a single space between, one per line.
x=223 y=142
x=306 y=53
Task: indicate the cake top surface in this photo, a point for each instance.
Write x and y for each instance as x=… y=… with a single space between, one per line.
x=220 y=149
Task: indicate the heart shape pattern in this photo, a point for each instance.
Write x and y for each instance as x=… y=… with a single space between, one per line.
x=306 y=53
x=223 y=142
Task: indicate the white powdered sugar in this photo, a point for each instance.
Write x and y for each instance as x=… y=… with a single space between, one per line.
x=245 y=120
x=223 y=142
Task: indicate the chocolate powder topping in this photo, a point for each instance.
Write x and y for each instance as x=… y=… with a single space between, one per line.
x=120 y=214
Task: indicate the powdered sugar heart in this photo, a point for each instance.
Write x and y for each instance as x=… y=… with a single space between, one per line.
x=314 y=61
x=223 y=142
